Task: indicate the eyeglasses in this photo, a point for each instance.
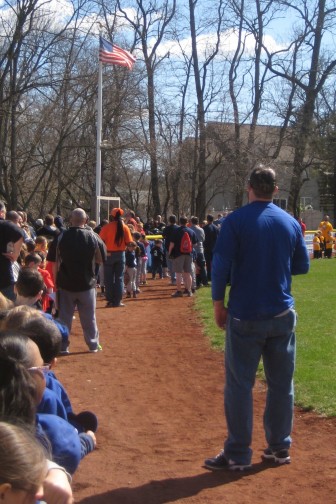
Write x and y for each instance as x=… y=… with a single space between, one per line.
x=41 y=369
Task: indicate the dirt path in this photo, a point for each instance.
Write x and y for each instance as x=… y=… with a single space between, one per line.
x=157 y=390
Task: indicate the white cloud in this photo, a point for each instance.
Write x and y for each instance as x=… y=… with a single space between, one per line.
x=206 y=44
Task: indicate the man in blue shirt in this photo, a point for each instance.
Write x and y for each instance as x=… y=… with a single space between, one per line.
x=258 y=250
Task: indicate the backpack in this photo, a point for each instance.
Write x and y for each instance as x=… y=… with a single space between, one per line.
x=186 y=245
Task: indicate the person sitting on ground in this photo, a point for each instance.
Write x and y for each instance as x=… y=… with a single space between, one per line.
x=29 y=289
x=38 y=262
x=47 y=337
x=25 y=472
x=22 y=384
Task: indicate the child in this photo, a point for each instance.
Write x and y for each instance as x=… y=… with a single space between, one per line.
x=41 y=244
x=317 y=246
x=131 y=265
x=24 y=469
x=23 y=465
x=29 y=289
x=157 y=258
x=144 y=259
x=22 y=385
x=329 y=243
x=47 y=337
x=140 y=254
x=38 y=261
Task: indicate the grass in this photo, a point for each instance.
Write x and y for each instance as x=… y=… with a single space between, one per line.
x=315 y=301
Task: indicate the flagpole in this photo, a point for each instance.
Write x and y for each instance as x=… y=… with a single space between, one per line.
x=99 y=140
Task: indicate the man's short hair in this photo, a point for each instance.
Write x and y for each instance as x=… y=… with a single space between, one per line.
x=49 y=220
x=210 y=218
x=172 y=219
x=183 y=221
x=13 y=216
x=29 y=283
x=263 y=182
x=194 y=220
x=78 y=217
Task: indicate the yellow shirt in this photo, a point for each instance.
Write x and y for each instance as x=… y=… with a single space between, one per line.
x=325 y=227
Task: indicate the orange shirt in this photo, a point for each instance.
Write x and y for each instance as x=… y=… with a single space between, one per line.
x=108 y=233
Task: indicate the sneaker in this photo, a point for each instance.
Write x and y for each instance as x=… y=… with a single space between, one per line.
x=109 y=305
x=190 y=293
x=65 y=351
x=98 y=348
x=177 y=294
x=279 y=457
x=220 y=462
x=128 y=295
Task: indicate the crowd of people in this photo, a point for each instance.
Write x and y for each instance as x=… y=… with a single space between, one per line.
x=49 y=273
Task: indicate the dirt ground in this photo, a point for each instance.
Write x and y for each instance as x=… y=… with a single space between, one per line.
x=157 y=389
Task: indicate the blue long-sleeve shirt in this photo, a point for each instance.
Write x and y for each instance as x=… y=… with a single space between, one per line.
x=258 y=250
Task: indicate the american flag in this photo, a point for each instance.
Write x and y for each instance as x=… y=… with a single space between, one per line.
x=114 y=55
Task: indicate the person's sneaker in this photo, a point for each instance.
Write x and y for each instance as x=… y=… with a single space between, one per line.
x=65 y=351
x=190 y=293
x=279 y=457
x=220 y=463
x=128 y=295
x=177 y=294
x=109 y=305
x=98 y=348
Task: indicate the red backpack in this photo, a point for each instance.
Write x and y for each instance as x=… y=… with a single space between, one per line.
x=186 y=245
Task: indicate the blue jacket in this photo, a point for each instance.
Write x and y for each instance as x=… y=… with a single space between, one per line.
x=258 y=250
x=64 y=440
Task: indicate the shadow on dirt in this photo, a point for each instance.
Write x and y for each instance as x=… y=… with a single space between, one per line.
x=172 y=489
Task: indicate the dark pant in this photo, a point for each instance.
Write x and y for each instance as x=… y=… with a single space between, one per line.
x=157 y=268
x=208 y=261
x=201 y=275
x=114 y=277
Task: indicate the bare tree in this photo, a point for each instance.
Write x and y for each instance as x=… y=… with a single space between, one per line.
x=200 y=75
x=316 y=66
x=150 y=23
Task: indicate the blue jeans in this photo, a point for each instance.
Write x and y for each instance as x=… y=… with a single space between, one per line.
x=171 y=270
x=114 y=277
x=246 y=343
